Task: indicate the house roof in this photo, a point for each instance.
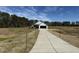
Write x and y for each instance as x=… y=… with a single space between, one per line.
x=40 y=23
x=43 y=24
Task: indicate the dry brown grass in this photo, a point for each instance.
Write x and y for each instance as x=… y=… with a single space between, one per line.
x=68 y=33
x=22 y=41
x=31 y=39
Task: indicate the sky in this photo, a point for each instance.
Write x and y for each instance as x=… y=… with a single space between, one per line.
x=44 y=13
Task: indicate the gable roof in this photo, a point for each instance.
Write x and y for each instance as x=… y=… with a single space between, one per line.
x=40 y=23
x=43 y=24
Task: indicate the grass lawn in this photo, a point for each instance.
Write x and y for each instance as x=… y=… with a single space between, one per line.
x=68 y=33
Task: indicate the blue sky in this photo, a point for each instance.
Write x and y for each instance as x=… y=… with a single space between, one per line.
x=45 y=13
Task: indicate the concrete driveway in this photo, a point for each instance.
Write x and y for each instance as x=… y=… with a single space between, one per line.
x=47 y=42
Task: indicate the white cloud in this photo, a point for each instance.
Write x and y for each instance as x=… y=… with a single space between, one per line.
x=5 y=9
x=30 y=13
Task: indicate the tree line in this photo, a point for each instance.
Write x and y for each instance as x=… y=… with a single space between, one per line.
x=7 y=20
x=64 y=23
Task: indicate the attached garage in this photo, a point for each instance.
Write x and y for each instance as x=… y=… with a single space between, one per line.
x=41 y=25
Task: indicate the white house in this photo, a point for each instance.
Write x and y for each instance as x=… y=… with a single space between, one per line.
x=40 y=25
